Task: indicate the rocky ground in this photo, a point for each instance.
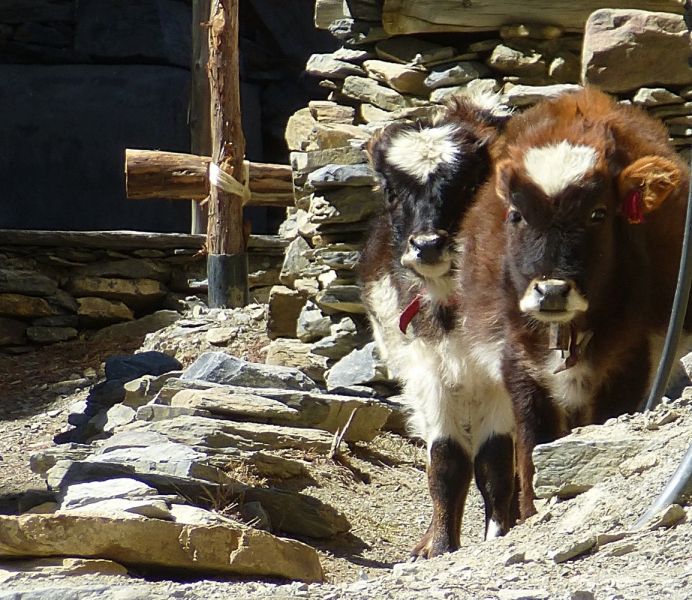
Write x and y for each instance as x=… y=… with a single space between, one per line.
x=577 y=548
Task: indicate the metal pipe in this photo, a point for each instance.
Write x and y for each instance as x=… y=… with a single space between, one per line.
x=677 y=318
x=679 y=487
x=677 y=490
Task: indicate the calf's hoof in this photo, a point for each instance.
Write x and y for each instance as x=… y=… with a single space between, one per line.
x=429 y=547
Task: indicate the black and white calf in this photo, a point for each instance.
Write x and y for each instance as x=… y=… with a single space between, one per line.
x=409 y=266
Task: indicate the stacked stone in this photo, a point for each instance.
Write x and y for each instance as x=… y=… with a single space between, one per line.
x=55 y=286
x=316 y=316
x=375 y=79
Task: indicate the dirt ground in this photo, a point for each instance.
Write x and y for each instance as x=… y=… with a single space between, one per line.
x=380 y=486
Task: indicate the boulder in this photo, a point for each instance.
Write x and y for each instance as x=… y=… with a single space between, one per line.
x=628 y=49
x=136 y=293
x=325 y=65
x=358 y=368
x=157 y=543
x=401 y=78
x=140 y=364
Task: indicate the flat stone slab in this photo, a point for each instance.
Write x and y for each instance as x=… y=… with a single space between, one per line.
x=218 y=367
x=570 y=466
x=158 y=543
x=218 y=434
x=219 y=401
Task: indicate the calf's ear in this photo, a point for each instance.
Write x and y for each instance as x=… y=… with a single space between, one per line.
x=502 y=177
x=645 y=184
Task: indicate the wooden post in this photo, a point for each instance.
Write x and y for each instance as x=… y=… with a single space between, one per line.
x=200 y=128
x=227 y=266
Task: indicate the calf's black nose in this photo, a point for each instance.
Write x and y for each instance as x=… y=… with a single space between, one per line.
x=553 y=294
x=428 y=246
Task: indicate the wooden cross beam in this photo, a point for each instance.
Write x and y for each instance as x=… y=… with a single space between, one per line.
x=177 y=176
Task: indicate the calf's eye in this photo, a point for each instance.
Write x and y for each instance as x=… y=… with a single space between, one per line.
x=598 y=215
x=513 y=216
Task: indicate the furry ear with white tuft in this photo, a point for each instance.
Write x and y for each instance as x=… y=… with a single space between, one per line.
x=645 y=184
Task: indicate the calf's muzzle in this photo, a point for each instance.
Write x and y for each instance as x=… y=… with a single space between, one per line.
x=427 y=248
x=553 y=299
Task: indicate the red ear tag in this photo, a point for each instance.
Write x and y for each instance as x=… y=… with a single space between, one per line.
x=632 y=207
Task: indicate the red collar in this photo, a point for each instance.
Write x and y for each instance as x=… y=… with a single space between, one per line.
x=414 y=308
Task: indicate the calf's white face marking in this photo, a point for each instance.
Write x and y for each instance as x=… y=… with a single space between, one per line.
x=556 y=166
x=420 y=153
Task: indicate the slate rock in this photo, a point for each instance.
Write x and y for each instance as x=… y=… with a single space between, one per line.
x=221 y=434
x=142 y=363
x=656 y=97
x=345 y=205
x=296 y=259
x=368 y=90
x=25 y=307
x=97 y=312
x=411 y=50
x=512 y=61
x=575 y=464
x=357 y=368
x=312 y=324
x=294 y=353
x=81 y=494
x=217 y=367
x=139 y=327
x=133 y=268
x=344 y=337
x=51 y=335
x=524 y=95
x=456 y=74
x=57 y=321
x=401 y=78
x=341 y=298
x=333 y=176
x=325 y=65
x=29 y=283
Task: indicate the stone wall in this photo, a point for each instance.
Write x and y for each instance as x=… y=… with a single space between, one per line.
x=57 y=286
x=374 y=79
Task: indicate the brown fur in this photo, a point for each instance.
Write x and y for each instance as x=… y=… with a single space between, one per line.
x=629 y=284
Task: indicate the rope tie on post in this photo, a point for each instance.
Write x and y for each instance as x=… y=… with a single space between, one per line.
x=230 y=184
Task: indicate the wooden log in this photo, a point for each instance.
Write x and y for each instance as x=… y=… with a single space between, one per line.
x=402 y=17
x=177 y=176
x=227 y=266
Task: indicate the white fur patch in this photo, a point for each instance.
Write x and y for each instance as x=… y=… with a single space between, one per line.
x=421 y=153
x=555 y=167
x=490 y=101
x=494 y=530
x=573 y=388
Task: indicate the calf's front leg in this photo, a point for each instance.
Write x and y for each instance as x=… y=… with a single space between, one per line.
x=450 y=470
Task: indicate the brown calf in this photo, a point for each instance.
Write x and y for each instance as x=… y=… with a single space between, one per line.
x=575 y=245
